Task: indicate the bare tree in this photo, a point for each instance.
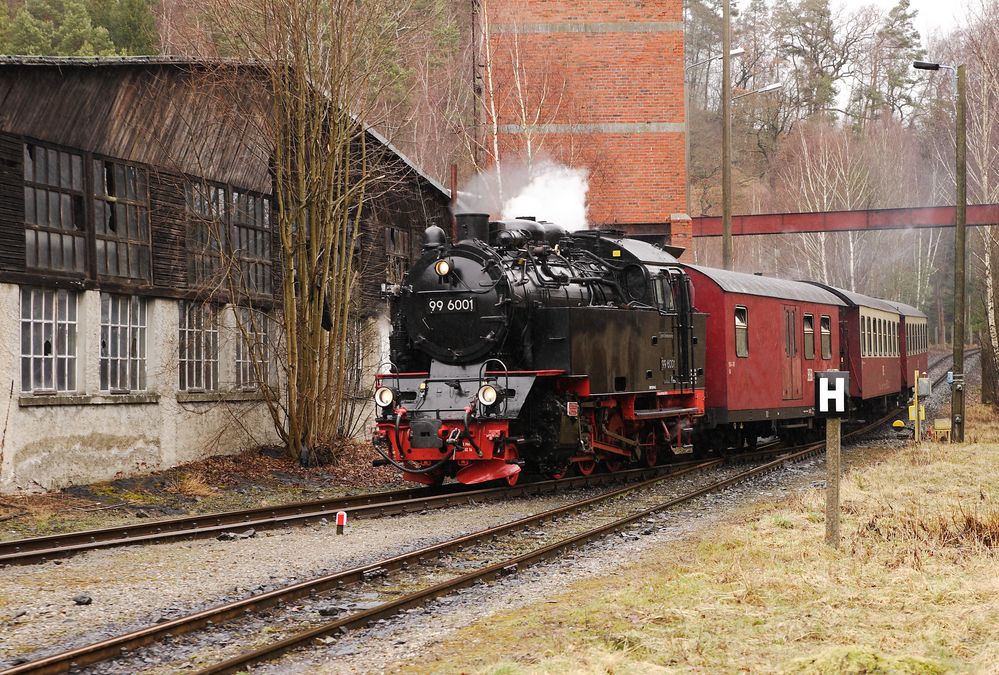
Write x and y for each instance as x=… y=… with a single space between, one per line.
x=322 y=64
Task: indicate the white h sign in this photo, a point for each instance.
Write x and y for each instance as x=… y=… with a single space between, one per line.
x=830 y=393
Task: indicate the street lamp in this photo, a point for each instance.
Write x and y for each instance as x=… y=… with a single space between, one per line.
x=738 y=51
x=727 y=167
x=960 y=226
x=770 y=87
x=726 y=135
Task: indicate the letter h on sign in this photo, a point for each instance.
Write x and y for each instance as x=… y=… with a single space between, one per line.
x=831 y=390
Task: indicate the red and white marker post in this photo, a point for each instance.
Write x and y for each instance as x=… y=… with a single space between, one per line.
x=341 y=521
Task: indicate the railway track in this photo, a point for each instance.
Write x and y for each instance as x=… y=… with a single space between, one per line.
x=37 y=549
x=129 y=643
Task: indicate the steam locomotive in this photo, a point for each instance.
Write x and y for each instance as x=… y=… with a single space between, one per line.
x=524 y=345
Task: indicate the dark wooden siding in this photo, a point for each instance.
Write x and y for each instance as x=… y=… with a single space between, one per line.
x=177 y=121
x=11 y=204
x=168 y=219
x=409 y=206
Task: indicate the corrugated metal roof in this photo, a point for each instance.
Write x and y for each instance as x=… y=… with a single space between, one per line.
x=858 y=299
x=908 y=310
x=767 y=287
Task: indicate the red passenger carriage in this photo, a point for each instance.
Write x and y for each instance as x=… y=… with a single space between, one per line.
x=914 y=335
x=766 y=337
x=870 y=330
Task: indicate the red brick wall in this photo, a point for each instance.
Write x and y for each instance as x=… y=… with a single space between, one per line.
x=601 y=87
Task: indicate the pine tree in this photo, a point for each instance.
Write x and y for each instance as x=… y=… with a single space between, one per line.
x=56 y=27
x=130 y=23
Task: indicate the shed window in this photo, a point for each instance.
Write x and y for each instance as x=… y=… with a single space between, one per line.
x=199 y=347
x=48 y=340
x=54 y=215
x=206 y=206
x=741 y=331
x=825 y=326
x=809 y=330
x=123 y=343
x=251 y=349
x=121 y=220
x=251 y=240
x=354 y=363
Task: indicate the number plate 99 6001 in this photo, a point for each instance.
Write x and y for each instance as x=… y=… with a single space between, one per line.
x=451 y=305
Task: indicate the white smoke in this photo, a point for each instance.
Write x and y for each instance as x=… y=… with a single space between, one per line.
x=544 y=189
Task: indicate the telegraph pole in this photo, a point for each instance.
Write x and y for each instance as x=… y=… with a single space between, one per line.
x=726 y=135
x=960 y=229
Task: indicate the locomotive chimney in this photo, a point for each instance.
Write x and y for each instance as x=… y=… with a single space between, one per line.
x=473 y=226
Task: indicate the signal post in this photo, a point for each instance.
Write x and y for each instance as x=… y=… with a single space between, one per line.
x=831 y=388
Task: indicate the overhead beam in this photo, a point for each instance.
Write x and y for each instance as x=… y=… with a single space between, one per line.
x=845 y=221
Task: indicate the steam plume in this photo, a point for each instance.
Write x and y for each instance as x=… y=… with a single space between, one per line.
x=546 y=190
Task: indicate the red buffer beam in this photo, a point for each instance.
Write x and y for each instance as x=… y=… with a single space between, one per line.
x=845 y=221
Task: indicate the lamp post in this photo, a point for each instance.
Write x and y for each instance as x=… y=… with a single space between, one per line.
x=686 y=116
x=726 y=135
x=960 y=227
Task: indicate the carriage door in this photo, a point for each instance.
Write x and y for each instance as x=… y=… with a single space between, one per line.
x=791 y=369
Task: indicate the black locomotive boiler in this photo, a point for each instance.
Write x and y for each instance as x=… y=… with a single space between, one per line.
x=523 y=344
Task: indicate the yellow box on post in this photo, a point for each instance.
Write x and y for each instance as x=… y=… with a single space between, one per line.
x=912 y=413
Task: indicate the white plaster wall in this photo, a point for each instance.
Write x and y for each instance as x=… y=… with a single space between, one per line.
x=52 y=446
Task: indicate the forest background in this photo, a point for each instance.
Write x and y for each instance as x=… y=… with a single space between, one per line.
x=852 y=125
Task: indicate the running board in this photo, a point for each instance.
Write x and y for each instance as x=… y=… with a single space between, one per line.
x=664 y=412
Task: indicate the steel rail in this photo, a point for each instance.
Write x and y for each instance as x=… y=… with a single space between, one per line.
x=108 y=649
x=35 y=549
x=493 y=571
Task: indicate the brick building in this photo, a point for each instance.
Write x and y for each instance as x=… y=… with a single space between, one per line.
x=596 y=84
x=124 y=186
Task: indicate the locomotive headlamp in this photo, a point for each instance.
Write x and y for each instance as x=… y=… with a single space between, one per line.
x=442 y=267
x=384 y=396
x=488 y=395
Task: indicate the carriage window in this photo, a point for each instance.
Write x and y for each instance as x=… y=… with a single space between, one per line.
x=809 y=336
x=741 y=331
x=865 y=336
x=825 y=326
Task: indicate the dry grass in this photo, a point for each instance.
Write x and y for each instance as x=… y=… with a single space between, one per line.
x=982 y=424
x=189 y=485
x=914 y=589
